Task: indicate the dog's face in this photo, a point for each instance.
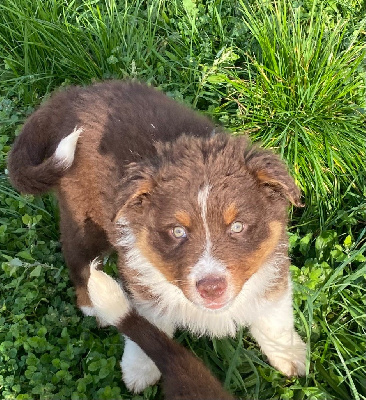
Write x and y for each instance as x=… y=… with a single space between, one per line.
x=209 y=214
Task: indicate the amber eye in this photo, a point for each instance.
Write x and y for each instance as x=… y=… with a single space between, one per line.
x=179 y=232
x=237 y=227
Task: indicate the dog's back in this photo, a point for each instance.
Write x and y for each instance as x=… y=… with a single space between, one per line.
x=118 y=120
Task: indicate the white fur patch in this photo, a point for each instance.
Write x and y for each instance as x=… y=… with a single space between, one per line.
x=138 y=370
x=88 y=311
x=207 y=265
x=202 y=202
x=65 y=151
x=174 y=306
x=275 y=334
x=108 y=298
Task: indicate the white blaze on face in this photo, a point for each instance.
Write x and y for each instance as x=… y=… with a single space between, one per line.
x=207 y=264
x=202 y=202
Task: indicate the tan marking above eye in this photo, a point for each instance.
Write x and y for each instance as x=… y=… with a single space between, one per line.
x=237 y=227
x=183 y=218
x=230 y=214
x=179 y=232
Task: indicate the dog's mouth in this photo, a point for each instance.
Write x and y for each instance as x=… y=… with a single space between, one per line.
x=216 y=305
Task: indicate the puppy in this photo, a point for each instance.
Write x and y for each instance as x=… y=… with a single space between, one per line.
x=184 y=376
x=198 y=217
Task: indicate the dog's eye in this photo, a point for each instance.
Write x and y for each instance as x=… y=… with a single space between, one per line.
x=179 y=232
x=237 y=227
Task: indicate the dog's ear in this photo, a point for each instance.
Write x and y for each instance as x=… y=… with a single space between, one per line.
x=136 y=188
x=269 y=170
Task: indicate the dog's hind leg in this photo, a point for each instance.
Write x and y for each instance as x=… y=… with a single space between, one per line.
x=82 y=242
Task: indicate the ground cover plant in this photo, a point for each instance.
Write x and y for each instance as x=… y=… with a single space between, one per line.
x=291 y=74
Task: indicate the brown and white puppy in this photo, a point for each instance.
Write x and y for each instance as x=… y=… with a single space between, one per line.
x=198 y=219
x=184 y=376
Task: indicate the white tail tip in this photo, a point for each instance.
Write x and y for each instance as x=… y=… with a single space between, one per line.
x=108 y=298
x=65 y=151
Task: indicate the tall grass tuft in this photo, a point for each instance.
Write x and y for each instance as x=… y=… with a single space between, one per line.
x=44 y=44
x=303 y=93
x=55 y=42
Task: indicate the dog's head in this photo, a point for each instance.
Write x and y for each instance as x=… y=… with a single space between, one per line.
x=208 y=213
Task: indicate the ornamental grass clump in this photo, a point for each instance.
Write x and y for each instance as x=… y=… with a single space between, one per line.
x=302 y=92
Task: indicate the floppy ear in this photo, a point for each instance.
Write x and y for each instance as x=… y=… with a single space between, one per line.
x=136 y=188
x=269 y=170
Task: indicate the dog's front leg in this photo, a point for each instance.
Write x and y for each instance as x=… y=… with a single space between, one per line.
x=274 y=331
x=138 y=370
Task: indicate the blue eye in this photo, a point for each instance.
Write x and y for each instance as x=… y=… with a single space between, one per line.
x=179 y=232
x=237 y=227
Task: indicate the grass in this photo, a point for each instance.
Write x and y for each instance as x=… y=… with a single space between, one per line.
x=291 y=75
x=80 y=42
x=303 y=94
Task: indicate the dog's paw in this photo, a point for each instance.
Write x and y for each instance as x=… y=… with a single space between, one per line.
x=292 y=360
x=92 y=312
x=295 y=367
x=138 y=377
x=138 y=370
x=88 y=311
x=109 y=301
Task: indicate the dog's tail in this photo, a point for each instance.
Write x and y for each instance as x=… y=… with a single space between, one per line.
x=45 y=148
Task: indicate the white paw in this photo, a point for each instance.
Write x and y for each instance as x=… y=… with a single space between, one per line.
x=91 y=312
x=88 y=311
x=138 y=370
x=292 y=359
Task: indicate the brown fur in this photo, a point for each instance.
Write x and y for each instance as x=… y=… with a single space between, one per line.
x=184 y=376
x=230 y=214
x=243 y=269
x=148 y=251
x=183 y=218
